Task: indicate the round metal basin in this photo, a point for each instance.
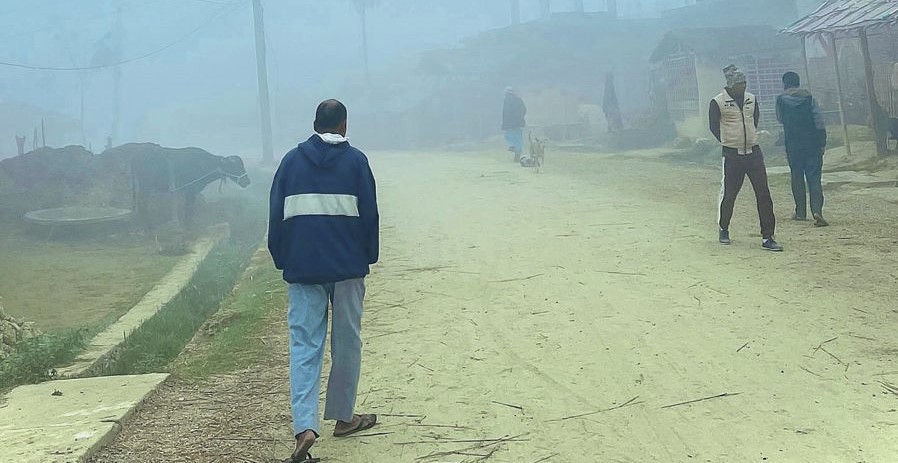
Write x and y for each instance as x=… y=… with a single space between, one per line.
x=77 y=215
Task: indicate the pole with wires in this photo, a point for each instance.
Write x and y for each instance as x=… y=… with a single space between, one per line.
x=262 y=70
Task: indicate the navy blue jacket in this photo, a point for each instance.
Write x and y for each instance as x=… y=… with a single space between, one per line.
x=323 y=220
x=802 y=121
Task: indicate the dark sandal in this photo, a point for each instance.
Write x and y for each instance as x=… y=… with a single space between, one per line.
x=365 y=422
x=307 y=459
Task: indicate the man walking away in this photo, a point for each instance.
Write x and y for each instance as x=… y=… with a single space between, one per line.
x=805 y=132
x=513 y=113
x=323 y=234
x=733 y=117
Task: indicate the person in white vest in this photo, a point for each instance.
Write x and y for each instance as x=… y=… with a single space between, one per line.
x=733 y=117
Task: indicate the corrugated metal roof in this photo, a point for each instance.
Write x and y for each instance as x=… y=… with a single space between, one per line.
x=846 y=15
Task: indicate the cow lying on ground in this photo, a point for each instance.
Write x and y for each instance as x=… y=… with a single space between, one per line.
x=181 y=174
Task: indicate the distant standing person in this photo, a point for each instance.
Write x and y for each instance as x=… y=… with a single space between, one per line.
x=733 y=117
x=805 y=134
x=611 y=107
x=323 y=234
x=513 y=112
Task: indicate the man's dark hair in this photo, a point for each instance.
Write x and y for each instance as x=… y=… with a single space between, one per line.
x=791 y=80
x=329 y=115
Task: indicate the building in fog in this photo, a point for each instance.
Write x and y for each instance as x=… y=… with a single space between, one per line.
x=687 y=70
x=649 y=8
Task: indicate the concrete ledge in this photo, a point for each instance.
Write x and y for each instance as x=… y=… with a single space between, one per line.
x=164 y=291
x=40 y=427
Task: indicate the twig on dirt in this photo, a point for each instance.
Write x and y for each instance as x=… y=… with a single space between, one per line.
x=625 y=404
x=539 y=313
x=716 y=290
x=886 y=373
x=861 y=310
x=481 y=445
x=612 y=272
x=402 y=416
x=778 y=299
x=467 y=441
x=860 y=337
x=547 y=458
x=428 y=369
x=387 y=334
x=889 y=387
x=833 y=356
x=509 y=405
x=697 y=299
x=488 y=455
x=743 y=346
x=820 y=346
x=809 y=371
x=451 y=426
x=518 y=279
x=373 y=434
x=718 y=396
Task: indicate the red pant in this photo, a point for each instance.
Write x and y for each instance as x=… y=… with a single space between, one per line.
x=735 y=168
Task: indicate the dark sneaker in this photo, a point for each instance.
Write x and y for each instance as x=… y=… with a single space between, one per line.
x=771 y=245
x=724 y=237
x=819 y=221
x=799 y=218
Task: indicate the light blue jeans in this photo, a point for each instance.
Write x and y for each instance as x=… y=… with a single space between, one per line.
x=307 y=317
x=514 y=138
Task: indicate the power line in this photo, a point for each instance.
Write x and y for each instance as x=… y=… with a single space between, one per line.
x=225 y=9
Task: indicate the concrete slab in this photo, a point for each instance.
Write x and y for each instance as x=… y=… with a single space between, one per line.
x=886 y=194
x=152 y=302
x=37 y=426
x=859 y=179
x=847 y=177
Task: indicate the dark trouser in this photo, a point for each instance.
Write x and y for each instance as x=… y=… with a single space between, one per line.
x=735 y=168
x=806 y=165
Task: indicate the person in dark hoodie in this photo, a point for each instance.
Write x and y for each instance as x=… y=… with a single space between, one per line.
x=805 y=136
x=323 y=234
x=513 y=113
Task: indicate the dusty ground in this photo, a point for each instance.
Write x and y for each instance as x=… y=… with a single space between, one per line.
x=570 y=314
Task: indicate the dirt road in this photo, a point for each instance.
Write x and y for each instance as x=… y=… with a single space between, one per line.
x=572 y=311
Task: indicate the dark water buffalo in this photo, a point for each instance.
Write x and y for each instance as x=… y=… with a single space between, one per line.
x=181 y=174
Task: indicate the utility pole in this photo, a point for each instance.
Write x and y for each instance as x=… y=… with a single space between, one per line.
x=264 y=98
x=117 y=38
x=515 y=12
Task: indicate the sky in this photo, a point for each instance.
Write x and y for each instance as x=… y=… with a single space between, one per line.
x=209 y=70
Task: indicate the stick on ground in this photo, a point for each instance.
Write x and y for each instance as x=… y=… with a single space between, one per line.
x=718 y=396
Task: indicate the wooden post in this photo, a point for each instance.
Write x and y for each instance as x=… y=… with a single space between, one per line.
x=878 y=130
x=20 y=144
x=804 y=57
x=835 y=53
x=43 y=134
